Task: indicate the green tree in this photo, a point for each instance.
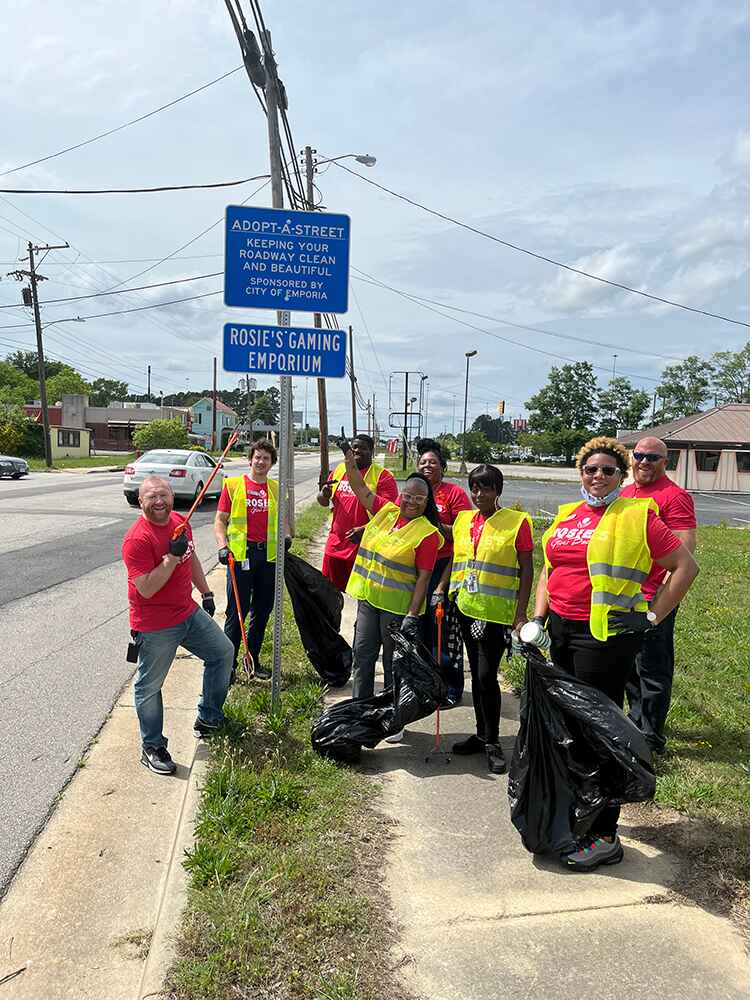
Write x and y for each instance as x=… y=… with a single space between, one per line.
x=565 y=409
x=495 y=429
x=621 y=407
x=16 y=388
x=28 y=363
x=478 y=448
x=684 y=388
x=161 y=434
x=731 y=370
x=449 y=445
x=103 y=390
x=66 y=382
x=265 y=406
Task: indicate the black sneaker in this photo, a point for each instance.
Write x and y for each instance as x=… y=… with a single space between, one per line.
x=202 y=729
x=472 y=744
x=592 y=852
x=495 y=759
x=262 y=673
x=157 y=759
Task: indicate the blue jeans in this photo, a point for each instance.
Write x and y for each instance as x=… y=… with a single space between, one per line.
x=202 y=637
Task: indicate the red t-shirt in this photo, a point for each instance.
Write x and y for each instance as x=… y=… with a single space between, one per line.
x=143 y=549
x=568 y=583
x=257 y=508
x=426 y=552
x=449 y=499
x=677 y=511
x=524 y=540
x=349 y=513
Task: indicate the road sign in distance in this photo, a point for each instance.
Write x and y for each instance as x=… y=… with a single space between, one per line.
x=274 y=259
x=284 y=350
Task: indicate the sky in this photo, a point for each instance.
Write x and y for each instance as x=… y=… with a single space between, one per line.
x=614 y=138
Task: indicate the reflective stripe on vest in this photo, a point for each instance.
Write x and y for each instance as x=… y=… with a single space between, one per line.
x=385 y=572
x=618 y=557
x=237 y=525
x=371 y=478
x=495 y=565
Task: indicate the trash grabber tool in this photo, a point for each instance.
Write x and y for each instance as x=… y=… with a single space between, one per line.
x=437 y=749
x=233 y=437
x=248 y=665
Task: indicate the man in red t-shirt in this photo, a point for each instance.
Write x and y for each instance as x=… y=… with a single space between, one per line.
x=162 y=571
x=349 y=516
x=649 y=690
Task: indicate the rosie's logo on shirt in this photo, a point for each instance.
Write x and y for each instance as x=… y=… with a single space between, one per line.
x=577 y=534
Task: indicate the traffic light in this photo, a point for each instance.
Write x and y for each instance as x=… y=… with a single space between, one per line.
x=501 y=407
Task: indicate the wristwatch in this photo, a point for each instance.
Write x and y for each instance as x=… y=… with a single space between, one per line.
x=209 y=593
x=651 y=616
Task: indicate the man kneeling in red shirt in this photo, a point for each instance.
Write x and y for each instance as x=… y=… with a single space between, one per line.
x=162 y=571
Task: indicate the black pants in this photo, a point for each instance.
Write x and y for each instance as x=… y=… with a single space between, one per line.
x=484 y=659
x=255 y=586
x=649 y=687
x=605 y=666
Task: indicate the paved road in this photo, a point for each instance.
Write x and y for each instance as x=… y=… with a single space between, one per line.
x=63 y=633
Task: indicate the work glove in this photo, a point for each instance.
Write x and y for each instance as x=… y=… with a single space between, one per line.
x=516 y=646
x=224 y=556
x=209 y=604
x=287 y=543
x=437 y=598
x=629 y=622
x=344 y=446
x=410 y=628
x=179 y=546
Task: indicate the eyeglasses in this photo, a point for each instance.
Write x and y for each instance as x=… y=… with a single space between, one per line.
x=648 y=456
x=606 y=470
x=410 y=498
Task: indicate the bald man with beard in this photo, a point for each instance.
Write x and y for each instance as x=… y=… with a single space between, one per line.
x=649 y=689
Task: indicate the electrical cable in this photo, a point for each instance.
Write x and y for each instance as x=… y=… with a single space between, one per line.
x=118 y=128
x=124 y=291
x=538 y=256
x=128 y=260
x=141 y=190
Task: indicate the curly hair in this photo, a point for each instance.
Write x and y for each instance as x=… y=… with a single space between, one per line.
x=605 y=446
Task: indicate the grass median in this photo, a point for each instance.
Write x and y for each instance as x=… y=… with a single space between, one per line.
x=118 y=461
x=285 y=899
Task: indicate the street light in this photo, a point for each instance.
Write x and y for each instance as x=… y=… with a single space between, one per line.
x=364 y=158
x=463 y=470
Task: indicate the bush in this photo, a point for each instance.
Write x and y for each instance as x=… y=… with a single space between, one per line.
x=19 y=435
x=198 y=447
x=161 y=434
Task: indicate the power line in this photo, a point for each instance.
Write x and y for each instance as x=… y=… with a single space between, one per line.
x=124 y=291
x=118 y=128
x=124 y=260
x=121 y=312
x=140 y=190
x=542 y=257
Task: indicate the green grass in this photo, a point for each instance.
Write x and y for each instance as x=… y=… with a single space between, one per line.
x=90 y=462
x=284 y=843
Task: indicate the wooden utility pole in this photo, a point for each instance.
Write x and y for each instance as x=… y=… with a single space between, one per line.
x=353 y=383
x=213 y=411
x=317 y=322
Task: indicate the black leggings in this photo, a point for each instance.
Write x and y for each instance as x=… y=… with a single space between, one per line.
x=605 y=666
x=484 y=659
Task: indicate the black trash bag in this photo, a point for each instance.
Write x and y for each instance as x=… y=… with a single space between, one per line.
x=419 y=687
x=576 y=752
x=317 y=608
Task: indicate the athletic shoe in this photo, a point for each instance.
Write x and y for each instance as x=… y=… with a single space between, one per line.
x=157 y=759
x=395 y=737
x=262 y=673
x=472 y=744
x=202 y=729
x=495 y=759
x=593 y=852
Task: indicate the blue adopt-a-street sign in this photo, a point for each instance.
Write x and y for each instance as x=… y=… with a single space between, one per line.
x=284 y=350
x=275 y=259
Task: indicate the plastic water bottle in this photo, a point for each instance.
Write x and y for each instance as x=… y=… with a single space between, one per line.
x=535 y=635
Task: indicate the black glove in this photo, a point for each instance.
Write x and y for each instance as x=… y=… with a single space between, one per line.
x=410 y=627
x=345 y=446
x=224 y=556
x=179 y=546
x=287 y=543
x=209 y=604
x=629 y=622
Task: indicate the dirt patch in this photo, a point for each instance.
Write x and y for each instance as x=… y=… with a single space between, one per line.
x=135 y=945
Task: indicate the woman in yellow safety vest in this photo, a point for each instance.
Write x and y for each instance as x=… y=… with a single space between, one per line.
x=390 y=575
x=246 y=525
x=598 y=552
x=490 y=578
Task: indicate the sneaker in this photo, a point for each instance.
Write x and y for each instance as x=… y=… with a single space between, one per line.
x=202 y=729
x=157 y=759
x=495 y=759
x=593 y=852
x=472 y=744
x=262 y=673
x=395 y=737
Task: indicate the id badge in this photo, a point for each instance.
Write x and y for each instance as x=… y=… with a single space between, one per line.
x=472 y=584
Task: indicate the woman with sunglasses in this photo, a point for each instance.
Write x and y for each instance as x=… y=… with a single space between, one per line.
x=598 y=553
x=394 y=563
x=490 y=576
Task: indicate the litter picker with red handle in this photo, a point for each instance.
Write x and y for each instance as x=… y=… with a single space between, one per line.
x=437 y=750
x=248 y=665
x=179 y=530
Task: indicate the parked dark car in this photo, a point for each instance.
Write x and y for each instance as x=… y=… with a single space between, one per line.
x=13 y=467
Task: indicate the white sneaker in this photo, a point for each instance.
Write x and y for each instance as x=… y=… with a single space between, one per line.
x=395 y=737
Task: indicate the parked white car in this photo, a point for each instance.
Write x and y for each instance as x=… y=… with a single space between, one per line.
x=185 y=471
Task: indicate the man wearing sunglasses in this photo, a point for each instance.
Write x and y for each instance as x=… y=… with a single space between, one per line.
x=649 y=689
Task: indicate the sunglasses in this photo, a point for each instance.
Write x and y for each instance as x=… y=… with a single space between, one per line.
x=648 y=456
x=607 y=470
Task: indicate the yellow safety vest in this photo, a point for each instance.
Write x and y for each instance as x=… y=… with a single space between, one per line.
x=618 y=557
x=237 y=526
x=371 y=478
x=385 y=571
x=495 y=565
